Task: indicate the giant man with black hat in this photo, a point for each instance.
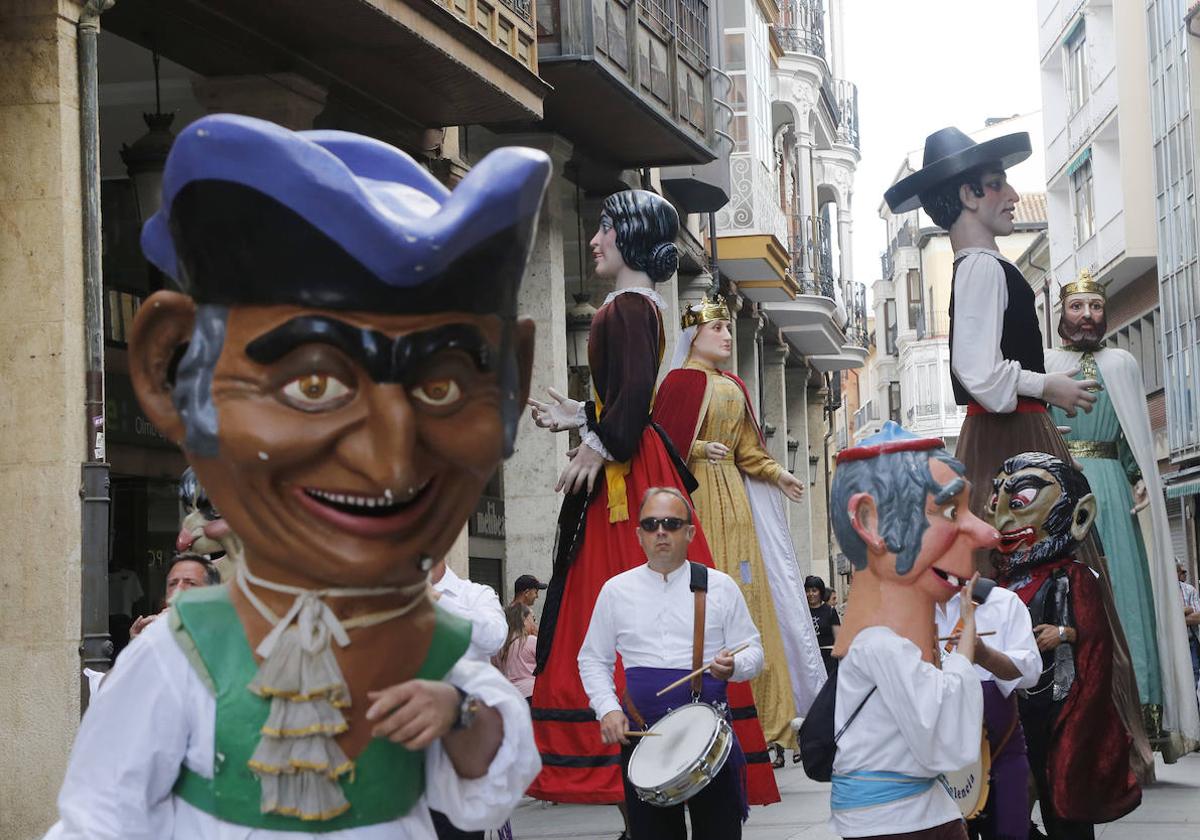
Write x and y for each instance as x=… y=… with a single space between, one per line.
x=997 y=368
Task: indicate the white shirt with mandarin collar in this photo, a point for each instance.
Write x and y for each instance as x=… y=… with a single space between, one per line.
x=478 y=604
x=1005 y=614
x=647 y=618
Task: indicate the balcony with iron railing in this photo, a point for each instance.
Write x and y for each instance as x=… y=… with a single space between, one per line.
x=846 y=95
x=801 y=27
x=811 y=252
x=868 y=413
x=631 y=78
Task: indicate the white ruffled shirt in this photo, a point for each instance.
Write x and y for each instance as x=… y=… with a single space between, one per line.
x=155 y=715
x=1005 y=615
x=921 y=721
x=981 y=296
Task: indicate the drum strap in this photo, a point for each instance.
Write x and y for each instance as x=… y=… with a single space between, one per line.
x=699 y=587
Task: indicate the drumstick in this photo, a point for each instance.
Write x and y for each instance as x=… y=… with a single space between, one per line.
x=701 y=670
x=940 y=638
x=642 y=734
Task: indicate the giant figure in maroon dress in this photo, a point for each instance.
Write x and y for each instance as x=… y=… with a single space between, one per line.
x=1079 y=750
x=622 y=454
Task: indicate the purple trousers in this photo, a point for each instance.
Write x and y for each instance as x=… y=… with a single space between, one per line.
x=1008 y=800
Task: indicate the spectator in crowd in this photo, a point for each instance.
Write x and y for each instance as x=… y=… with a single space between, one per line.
x=526 y=589
x=825 y=618
x=1191 y=616
x=186 y=571
x=477 y=603
x=518 y=654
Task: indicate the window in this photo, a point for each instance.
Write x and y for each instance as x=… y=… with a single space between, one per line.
x=916 y=303
x=1076 y=67
x=1082 y=200
x=894 y=401
x=889 y=318
x=1140 y=338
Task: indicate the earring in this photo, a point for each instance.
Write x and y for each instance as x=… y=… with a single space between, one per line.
x=425 y=563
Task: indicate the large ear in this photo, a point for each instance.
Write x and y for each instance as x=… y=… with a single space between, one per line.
x=1082 y=517
x=524 y=335
x=163 y=325
x=967 y=197
x=864 y=518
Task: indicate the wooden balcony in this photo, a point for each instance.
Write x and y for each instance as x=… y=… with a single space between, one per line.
x=428 y=63
x=631 y=79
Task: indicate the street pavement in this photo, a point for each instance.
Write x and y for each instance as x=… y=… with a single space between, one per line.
x=1170 y=810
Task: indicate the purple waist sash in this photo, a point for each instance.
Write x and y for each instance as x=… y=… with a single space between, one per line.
x=641 y=685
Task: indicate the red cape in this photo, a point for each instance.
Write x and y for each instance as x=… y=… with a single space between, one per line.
x=678 y=403
x=1088 y=765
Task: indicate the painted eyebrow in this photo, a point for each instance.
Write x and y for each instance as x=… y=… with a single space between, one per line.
x=385 y=359
x=1020 y=482
x=949 y=490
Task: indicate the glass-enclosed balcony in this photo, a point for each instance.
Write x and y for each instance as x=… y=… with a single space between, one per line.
x=631 y=78
x=434 y=62
x=846 y=97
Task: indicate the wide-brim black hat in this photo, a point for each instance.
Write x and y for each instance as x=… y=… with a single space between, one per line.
x=950 y=152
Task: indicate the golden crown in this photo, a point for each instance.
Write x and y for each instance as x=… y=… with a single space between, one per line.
x=1085 y=285
x=705 y=311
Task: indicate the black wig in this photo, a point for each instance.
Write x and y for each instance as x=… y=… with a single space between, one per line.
x=646 y=226
x=942 y=203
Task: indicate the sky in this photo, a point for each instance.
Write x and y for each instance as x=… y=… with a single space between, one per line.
x=921 y=65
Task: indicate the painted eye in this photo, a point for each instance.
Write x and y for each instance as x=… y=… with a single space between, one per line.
x=1023 y=498
x=315 y=391
x=438 y=393
x=950 y=512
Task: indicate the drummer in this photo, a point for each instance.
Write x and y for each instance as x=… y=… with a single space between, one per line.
x=646 y=615
x=1006 y=661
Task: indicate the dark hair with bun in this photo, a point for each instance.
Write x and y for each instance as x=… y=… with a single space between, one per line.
x=646 y=226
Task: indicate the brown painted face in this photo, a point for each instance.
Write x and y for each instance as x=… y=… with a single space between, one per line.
x=1037 y=523
x=330 y=477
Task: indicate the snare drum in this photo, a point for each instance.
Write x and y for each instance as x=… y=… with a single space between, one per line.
x=969 y=787
x=693 y=746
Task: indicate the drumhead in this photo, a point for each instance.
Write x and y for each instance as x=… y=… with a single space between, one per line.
x=969 y=786
x=686 y=734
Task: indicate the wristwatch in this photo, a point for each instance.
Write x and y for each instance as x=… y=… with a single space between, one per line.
x=1062 y=633
x=468 y=706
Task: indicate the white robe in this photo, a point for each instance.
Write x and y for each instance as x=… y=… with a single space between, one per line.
x=1123 y=382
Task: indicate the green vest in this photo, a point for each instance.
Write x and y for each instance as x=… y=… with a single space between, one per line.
x=387 y=779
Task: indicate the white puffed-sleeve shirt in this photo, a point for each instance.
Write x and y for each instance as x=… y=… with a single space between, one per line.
x=154 y=715
x=980 y=298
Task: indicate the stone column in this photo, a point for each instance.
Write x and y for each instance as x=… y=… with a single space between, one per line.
x=285 y=98
x=774 y=396
x=800 y=515
x=746 y=346
x=819 y=534
x=845 y=248
x=42 y=440
x=530 y=503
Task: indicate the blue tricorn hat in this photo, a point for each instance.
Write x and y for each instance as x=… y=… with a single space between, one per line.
x=253 y=213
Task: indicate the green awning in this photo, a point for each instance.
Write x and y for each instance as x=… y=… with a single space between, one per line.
x=1183 y=488
x=1083 y=158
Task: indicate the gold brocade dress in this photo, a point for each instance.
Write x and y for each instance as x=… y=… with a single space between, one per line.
x=724 y=512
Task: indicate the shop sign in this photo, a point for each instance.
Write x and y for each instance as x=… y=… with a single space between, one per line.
x=488 y=518
x=124 y=420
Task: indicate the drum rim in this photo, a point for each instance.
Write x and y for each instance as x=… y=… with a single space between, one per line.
x=690 y=781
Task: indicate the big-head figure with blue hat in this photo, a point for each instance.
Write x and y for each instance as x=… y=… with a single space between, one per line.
x=343 y=366
x=899 y=508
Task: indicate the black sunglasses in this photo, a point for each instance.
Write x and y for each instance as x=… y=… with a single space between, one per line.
x=670 y=523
